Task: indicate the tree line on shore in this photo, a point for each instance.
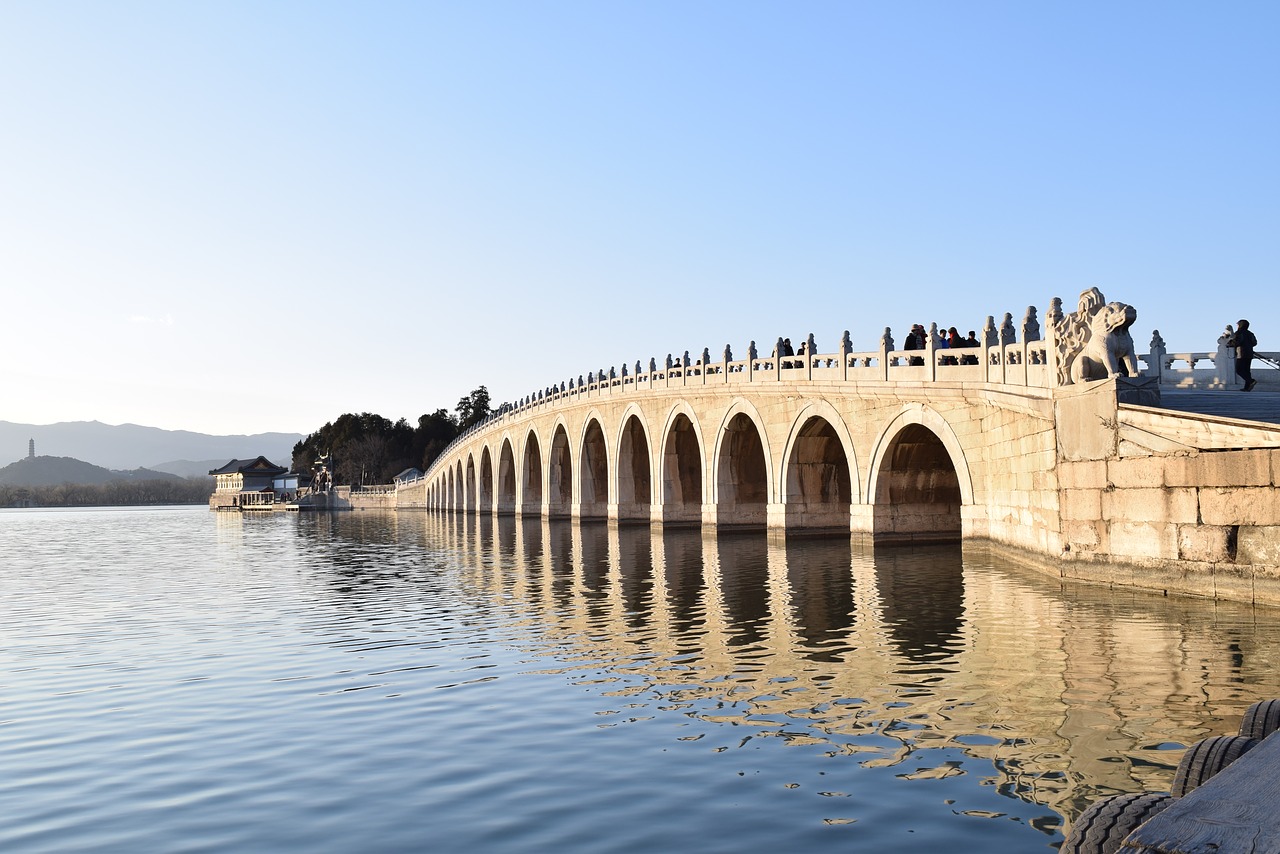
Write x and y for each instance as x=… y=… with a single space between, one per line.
x=191 y=490
x=368 y=448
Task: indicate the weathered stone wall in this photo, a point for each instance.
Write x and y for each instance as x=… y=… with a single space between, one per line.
x=1206 y=523
x=412 y=497
x=372 y=500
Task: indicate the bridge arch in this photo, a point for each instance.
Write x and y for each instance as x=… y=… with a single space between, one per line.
x=469 y=493
x=743 y=467
x=820 y=480
x=559 y=471
x=593 y=469
x=531 y=474
x=919 y=478
x=506 y=477
x=633 y=478
x=484 y=496
x=682 y=466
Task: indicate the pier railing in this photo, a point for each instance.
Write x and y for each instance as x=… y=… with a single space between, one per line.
x=374 y=489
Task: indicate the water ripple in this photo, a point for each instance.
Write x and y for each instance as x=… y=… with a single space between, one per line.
x=184 y=681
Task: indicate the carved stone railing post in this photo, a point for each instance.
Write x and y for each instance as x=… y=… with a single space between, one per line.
x=809 y=348
x=886 y=347
x=1155 y=362
x=777 y=360
x=1008 y=346
x=990 y=345
x=666 y=374
x=931 y=347
x=846 y=347
x=724 y=366
x=751 y=361
x=1052 y=322
x=1030 y=334
x=1225 y=363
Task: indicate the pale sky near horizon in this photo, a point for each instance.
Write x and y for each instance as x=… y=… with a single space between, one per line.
x=239 y=217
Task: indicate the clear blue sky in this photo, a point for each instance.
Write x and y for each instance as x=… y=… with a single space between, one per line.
x=235 y=217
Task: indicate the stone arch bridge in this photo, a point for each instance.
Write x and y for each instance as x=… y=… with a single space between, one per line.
x=993 y=443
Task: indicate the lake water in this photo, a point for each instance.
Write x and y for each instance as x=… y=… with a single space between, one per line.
x=179 y=680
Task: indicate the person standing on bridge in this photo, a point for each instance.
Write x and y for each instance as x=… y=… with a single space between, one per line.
x=954 y=342
x=915 y=341
x=1245 y=342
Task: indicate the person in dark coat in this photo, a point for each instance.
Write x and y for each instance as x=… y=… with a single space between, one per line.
x=915 y=341
x=1245 y=342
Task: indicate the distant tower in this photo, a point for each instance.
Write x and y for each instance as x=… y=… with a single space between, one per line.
x=31 y=449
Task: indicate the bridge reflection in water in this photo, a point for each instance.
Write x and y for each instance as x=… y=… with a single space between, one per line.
x=931 y=660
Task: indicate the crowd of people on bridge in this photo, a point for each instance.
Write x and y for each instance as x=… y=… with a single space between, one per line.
x=918 y=339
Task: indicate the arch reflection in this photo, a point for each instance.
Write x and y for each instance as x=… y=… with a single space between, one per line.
x=933 y=661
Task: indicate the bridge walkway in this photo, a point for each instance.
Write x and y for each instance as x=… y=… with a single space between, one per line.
x=1225 y=403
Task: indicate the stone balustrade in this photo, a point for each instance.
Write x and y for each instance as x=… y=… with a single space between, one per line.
x=1001 y=360
x=1207 y=369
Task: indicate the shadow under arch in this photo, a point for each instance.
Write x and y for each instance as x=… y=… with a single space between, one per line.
x=593 y=472
x=681 y=469
x=506 y=480
x=469 y=492
x=743 y=470
x=634 y=468
x=820 y=471
x=531 y=475
x=484 y=497
x=559 y=474
x=919 y=479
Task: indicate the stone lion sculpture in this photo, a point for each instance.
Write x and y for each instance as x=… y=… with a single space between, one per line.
x=1108 y=352
x=1093 y=342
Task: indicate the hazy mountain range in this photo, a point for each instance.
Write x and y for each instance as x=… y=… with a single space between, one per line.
x=125 y=447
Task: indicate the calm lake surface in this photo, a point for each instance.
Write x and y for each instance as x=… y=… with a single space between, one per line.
x=179 y=680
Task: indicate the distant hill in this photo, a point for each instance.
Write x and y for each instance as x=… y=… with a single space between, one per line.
x=192 y=468
x=131 y=446
x=52 y=471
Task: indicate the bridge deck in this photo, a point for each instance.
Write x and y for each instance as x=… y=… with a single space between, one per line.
x=1249 y=406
